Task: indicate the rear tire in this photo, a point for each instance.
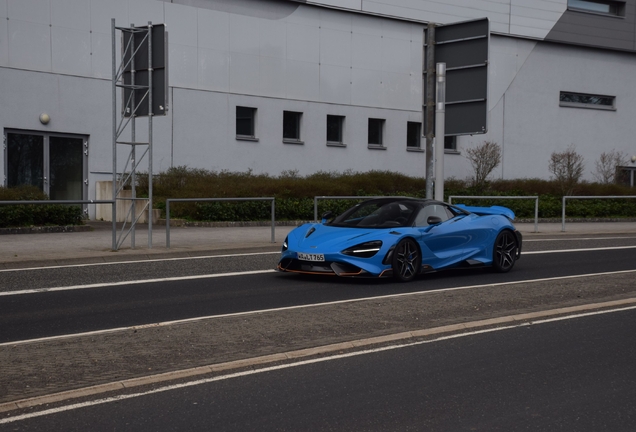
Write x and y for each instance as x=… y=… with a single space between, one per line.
x=406 y=261
x=504 y=252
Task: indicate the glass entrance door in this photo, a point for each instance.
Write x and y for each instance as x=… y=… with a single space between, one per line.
x=55 y=163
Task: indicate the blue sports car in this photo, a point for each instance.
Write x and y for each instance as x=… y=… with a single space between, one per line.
x=403 y=237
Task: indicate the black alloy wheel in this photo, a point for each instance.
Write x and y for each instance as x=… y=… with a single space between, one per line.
x=505 y=252
x=406 y=260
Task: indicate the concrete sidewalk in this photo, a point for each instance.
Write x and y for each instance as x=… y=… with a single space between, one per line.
x=33 y=250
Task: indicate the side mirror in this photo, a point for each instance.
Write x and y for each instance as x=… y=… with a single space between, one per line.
x=433 y=220
x=326 y=216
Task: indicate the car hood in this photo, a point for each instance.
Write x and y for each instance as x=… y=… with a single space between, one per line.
x=320 y=237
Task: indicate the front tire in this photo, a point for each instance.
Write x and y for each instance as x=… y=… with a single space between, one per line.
x=406 y=261
x=504 y=252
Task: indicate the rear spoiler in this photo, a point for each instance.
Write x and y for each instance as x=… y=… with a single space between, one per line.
x=492 y=210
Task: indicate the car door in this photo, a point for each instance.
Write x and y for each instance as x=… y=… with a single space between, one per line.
x=443 y=242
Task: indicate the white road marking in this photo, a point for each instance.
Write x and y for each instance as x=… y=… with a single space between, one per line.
x=295 y=364
x=134 y=282
x=525 y=240
x=577 y=250
x=138 y=261
x=287 y=308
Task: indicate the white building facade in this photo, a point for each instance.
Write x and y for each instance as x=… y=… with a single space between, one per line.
x=307 y=86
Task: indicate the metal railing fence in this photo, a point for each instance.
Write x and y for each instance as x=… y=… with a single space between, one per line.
x=172 y=200
x=70 y=202
x=586 y=197
x=535 y=198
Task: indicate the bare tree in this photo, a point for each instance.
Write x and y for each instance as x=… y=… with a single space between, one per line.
x=567 y=168
x=606 y=166
x=484 y=159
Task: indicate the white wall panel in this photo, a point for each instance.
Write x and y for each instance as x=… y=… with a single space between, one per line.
x=184 y=21
x=335 y=47
x=33 y=11
x=29 y=45
x=270 y=39
x=244 y=34
x=335 y=84
x=303 y=43
x=365 y=51
x=395 y=54
x=214 y=70
x=272 y=77
x=142 y=11
x=366 y=88
x=4 y=42
x=303 y=80
x=244 y=73
x=71 y=14
x=214 y=29
x=3 y=9
x=102 y=11
x=396 y=90
x=71 y=51
x=183 y=66
x=335 y=20
x=101 y=60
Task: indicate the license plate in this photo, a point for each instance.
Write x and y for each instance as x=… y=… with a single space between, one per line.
x=311 y=257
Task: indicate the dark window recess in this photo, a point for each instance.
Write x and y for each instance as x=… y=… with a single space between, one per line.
x=375 y=131
x=615 y=8
x=245 y=121
x=334 y=128
x=586 y=100
x=291 y=125
x=450 y=143
x=413 y=134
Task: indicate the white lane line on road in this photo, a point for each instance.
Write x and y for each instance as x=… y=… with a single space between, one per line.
x=134 y=282
x=576 y=239
x=577 y=250
x=298 y=364
x=287 y=308
x=139 y=261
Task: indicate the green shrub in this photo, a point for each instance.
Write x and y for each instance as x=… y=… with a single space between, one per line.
x=35 y=214
x=295 y=194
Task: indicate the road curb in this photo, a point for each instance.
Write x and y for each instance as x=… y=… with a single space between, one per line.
x=303 y=353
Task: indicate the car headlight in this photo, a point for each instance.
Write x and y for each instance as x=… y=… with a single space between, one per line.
x=364 y=250
x=285 y=246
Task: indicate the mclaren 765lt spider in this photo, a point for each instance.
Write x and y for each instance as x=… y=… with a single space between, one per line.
x=403 y=237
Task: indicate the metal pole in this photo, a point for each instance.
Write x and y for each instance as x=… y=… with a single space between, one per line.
x=168 y=223
x=150 y=114
x=536 y=215
x=430 y=108
x=273 y=220
x=133 y=139
x=440 y=119
x=563 y=215
x=114 y=95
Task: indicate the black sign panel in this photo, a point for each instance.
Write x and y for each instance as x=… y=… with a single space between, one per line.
x=464 y=48
x=135 y=43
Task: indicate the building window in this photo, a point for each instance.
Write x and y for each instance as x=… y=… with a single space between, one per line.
x=55 y=163
x=335 y=128
x=245 y=122
x=450 y=144
x=376 y=130
x=413 y=135
x=291 y=126
x=608 y=7
x=582 y=100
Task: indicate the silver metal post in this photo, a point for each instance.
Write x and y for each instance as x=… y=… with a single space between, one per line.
x=150 y=114
x=114 y=95
x=273 y=220
x=168 y=223
x=440 y=119
x=429 y=120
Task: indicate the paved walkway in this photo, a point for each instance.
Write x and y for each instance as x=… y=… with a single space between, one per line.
x=28 y=250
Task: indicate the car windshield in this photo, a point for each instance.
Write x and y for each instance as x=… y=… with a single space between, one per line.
x=376 y=214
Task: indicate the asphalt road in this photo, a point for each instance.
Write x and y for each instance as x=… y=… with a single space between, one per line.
x=570 y=375
x=173 y=293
